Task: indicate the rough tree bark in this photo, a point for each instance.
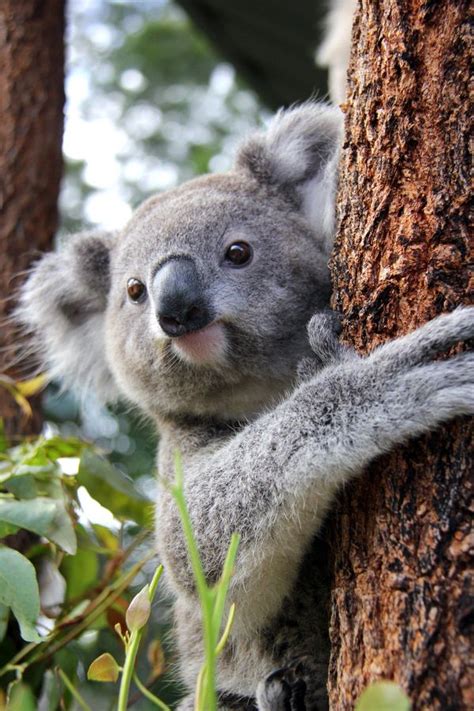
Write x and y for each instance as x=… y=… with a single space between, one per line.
x=400 y=598
x=31 y=123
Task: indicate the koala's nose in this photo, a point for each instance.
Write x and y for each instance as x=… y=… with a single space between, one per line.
x=181 y=304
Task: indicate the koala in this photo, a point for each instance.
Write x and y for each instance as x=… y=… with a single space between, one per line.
x=209 y=312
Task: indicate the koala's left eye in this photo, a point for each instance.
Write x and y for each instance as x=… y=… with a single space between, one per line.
x=239 y=254
x=136 y=291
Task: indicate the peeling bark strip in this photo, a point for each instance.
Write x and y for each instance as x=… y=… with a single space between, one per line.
x=31 y=123
x=401 y=604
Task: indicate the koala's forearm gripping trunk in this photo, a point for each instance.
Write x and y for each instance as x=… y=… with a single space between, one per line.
x=400 y=596
x=273 y=482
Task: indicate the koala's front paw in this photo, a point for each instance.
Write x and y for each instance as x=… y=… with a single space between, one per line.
x=282 y=690
x=324 y=330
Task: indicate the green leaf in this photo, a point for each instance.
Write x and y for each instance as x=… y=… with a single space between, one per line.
x=23 y=487
x=81 y=572
x=3 y=437
x=104 y=668
x=6 y=529
x=57 y=447
x=111 y=488
x=46 y=517
x=19 y=591
x=106 y=537
x=4 y=615
x=20 y=697
x=383 y=696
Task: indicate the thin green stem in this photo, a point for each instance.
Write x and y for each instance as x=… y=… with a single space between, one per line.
x=128 y=667
x=154 y=582
x=147 y=693
x=67 y=682
x=224 y=581
x=132 y=650
x=226 y=632
x=206 y=596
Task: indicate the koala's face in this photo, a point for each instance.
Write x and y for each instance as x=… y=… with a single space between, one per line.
x=199 y=306
x=212 y=285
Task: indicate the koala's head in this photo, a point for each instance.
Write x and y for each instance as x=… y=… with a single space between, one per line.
x=199 y=306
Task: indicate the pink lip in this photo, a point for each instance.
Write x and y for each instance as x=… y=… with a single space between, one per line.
x=204 y=346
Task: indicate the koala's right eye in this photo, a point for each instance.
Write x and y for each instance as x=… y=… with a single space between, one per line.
x=136 y=291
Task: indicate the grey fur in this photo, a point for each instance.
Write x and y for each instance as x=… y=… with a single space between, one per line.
x=279 y=419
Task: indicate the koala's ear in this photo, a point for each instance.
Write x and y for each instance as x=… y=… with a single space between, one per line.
x=61 y=308
x=299 y=153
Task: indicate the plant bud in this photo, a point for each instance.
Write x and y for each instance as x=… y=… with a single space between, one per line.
x=138 y=611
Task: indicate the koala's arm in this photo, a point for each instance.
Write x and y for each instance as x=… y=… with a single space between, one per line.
x=273 y=481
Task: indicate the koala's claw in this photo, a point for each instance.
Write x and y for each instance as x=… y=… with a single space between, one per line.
x=282 y=690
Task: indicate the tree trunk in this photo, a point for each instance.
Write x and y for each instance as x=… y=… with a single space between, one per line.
x=31 y=122
x=400 y=598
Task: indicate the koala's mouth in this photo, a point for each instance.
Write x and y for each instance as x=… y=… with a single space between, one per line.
x=206 y=346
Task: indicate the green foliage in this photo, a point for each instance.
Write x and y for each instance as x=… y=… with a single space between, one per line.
x=38 y=498
x=45 y=516
x=40 y=510
x=80 y=572
x=111 y=488
x=383 y=696
x=21 y=698
x=167 y=51
x=19 y=591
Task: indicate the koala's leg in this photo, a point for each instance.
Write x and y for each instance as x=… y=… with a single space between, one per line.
x=274 y=481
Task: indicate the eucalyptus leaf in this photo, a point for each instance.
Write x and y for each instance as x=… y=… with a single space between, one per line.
x=383 y=696
x=4 y=615
x=3 y=437
x=20 y=697
x=111 y=488
x=106 y=537
x=81 y=572
x=19 y=591
x=44 y=516
x=23 y=487
x=6 y=529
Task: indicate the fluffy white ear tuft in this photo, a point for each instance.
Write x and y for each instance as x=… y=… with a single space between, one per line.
x=299 y=153
x=61 y=311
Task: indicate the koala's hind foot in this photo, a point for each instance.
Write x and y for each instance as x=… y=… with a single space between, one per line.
x=283 y=690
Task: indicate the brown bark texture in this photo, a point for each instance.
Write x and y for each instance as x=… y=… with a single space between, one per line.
x=31 y=123
x=402 y=598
